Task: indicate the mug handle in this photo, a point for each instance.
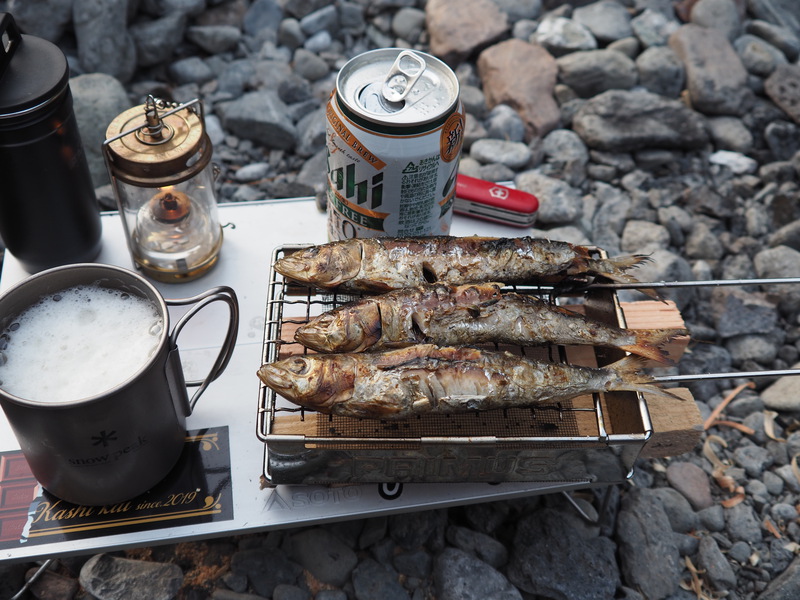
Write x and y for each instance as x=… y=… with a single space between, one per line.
x=217 y=294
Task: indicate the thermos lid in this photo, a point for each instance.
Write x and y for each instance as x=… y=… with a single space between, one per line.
x=33 y=71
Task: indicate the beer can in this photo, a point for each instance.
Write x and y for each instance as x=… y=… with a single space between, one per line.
x=395 y=126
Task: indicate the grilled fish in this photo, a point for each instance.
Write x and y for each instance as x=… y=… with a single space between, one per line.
x=382 y=264
x=450 y=315
x=401 y=383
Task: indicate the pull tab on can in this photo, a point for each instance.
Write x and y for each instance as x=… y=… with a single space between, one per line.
x=406 y=70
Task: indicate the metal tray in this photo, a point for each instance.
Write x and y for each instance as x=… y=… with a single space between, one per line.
x=591 y=439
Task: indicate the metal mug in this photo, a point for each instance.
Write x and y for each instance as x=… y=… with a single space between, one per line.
x=115 y=445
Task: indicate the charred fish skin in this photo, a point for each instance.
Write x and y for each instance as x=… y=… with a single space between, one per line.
x=422 y=379
x=450 y=315
x=382 y=264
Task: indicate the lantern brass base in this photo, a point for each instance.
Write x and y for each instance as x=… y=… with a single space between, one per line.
x=171 y=275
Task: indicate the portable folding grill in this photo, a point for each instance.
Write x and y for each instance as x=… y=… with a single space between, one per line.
x=592 y=438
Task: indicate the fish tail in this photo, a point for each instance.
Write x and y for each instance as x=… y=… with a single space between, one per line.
x=630 y=378
x=616 y=269
x=649 y=343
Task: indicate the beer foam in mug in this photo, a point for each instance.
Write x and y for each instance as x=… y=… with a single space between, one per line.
x=78 y=343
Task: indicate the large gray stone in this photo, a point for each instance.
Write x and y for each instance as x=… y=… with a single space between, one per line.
x=625 y=121
x=261 y=117
x=716 y=79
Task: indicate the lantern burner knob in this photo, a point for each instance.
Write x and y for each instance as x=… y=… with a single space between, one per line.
x=154 y=131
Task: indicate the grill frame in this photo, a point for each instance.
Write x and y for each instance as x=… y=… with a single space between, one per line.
x=315 y=449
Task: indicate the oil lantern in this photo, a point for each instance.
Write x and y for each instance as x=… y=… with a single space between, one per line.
x=159 y=160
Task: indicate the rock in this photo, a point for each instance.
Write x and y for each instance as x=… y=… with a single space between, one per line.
x=691 y=481
x=517 y=11
x=682 y=518
x=28 y=17
x=782 y=394
x=511 y=154
x=592 y=72
x=52 y=586
x=528 y=91
x=408 y=24
x=716 y=567
x=546 y=549
x=97 y=100
x=374 y=580
x=459 y=28
x=625 y=121
x=322 y=19
x=260 y=116
x=731 y=134
x=265 y=569
x=660 y=71
x=108 y=577
x=738 y=312
x=562 y=36
x=716 y=79
x=262 y=19
x=758 y=56
x=780 y=261
x=460 y=576
x=565 y=156
x=156 y=40
x=504 y=123
x=743 y=523
x=608 y=20
x=780 y=37
x=644 y=237
x=653 y=27
x=214 y=39
x=190 y=70
x=737 y=162
x=785 y=586
x=782 y=139
x=104 y=44
x=721 y=15
x=777 y=12
x=480 y=545
x=559 y=203
x=324 y=555
x=644 y=541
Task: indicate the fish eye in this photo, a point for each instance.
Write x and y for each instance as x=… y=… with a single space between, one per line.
x=298 y=366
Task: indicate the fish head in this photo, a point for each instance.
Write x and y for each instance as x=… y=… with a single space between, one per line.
x=313 y=381
x=325 y=266
x=345 y=329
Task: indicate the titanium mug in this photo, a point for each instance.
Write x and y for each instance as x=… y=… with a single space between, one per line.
x=114 y=445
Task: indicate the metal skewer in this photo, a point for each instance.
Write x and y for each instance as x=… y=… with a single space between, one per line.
x=732 y=375
x=678 y=284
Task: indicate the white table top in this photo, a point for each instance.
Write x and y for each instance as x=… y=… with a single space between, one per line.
x=253 y=231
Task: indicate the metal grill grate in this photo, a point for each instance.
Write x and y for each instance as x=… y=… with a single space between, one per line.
x=582 y=420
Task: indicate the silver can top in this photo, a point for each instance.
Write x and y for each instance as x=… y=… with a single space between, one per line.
x=396 y=87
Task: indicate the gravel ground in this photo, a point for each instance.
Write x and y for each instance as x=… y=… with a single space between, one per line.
x=669 y=128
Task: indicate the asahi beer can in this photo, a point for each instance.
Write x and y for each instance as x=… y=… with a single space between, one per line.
x=395 y=126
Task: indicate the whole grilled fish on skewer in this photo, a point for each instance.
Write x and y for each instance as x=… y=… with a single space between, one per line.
x=450 y=315
x=421 y=379
x=382 y=264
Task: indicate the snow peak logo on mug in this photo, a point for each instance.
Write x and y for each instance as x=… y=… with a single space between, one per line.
x=105 y=439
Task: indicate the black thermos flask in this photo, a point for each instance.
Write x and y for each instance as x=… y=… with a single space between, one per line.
x=48 y=208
